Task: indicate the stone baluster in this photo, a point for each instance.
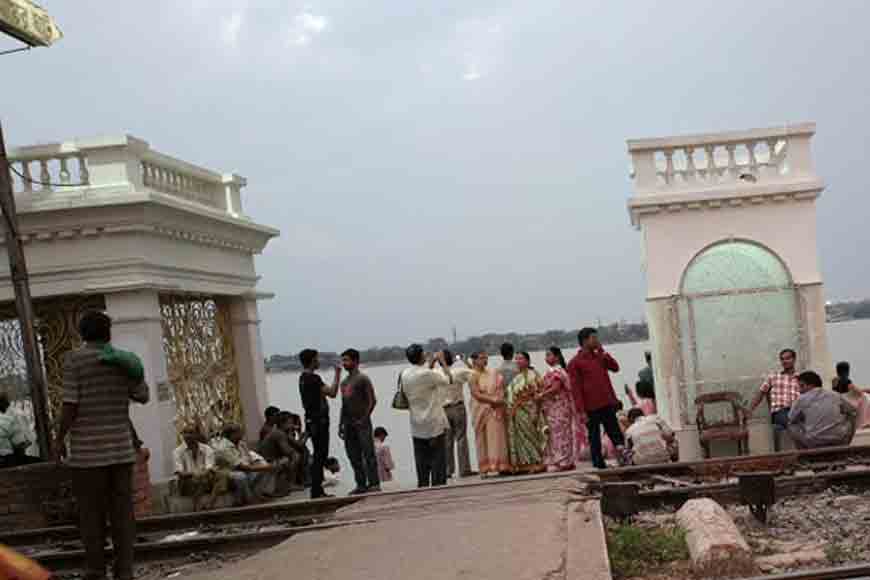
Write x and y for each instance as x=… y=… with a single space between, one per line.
x=732 y=160
x=84 y=176
x=772 y=162
x=64 y=171
x=28 y=180
x=44 y=175
x=712 y=171
x=753 y=162
x=669 y=166
x=691 y=171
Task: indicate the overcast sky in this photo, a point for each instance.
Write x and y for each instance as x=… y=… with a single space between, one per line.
x=442 y=163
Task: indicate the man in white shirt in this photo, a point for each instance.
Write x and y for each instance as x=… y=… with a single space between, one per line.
x=457 y=417
x=648 y=438
x=195 y=468
x=13 y=437
x=424 y=388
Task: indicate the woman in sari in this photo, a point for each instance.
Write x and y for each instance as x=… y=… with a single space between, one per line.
x=558 y=408
x=526 y=434
x=488 y=416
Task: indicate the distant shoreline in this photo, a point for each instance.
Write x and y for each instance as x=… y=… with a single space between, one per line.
x=374 y=364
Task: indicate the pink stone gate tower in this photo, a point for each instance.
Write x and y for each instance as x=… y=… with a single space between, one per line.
x=729 y=247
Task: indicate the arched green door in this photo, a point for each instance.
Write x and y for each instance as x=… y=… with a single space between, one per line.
x=737 y=309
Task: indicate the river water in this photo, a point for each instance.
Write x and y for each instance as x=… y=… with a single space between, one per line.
x=847 y=342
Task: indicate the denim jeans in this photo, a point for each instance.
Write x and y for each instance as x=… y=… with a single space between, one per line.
x=359 y=443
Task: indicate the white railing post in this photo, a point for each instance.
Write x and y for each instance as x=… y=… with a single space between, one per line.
x=114 y=161
x=233 y=185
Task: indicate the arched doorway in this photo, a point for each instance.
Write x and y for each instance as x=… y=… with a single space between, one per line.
x=737 y=309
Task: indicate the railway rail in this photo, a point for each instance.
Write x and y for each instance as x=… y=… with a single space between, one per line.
x=290 y=513
x=254 y=528
x=167 y=550
x=855 y=572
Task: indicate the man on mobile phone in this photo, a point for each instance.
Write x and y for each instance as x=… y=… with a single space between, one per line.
x=594 y=397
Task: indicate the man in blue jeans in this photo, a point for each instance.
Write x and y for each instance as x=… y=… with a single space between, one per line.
x=781 y=389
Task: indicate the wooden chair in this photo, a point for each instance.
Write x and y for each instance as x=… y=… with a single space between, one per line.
x=725 y=430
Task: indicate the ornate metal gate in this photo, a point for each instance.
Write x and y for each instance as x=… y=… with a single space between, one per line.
x=57 y=329
x=200 y=360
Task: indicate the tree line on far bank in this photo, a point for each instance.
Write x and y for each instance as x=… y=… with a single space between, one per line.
x=490 y=342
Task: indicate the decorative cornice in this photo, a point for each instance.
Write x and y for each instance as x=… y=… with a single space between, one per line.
x=199 y=238
x=642 y=205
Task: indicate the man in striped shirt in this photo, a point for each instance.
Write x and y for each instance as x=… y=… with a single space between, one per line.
x=95 y=414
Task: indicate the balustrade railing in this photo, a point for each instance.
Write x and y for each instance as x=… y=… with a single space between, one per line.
x=702 y=161
x=46 y=171
x=124 y=163
x=168 y=175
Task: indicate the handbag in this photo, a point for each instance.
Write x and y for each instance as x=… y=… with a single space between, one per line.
x=400 y=399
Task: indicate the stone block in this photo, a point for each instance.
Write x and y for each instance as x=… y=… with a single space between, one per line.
x=716 y=546
x=777 y=562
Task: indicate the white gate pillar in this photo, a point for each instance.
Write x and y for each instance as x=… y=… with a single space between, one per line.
x=136 y=326
x=249 y=363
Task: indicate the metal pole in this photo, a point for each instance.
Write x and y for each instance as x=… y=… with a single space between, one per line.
x=24 y=305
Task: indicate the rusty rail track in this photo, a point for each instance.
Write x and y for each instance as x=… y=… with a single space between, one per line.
x=729 y=492
x=297 y=514
x=857 y=572
x=167 y=551
x=828 y=459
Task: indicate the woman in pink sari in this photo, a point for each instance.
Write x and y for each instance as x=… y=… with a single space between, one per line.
x=558 y=407
x=488 y=416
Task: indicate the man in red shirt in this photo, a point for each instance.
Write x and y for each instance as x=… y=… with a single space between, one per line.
x=593 y=394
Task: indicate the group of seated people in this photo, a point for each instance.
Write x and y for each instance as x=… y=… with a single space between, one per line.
x=817 y=418
x=648 y=438
x=208 y=468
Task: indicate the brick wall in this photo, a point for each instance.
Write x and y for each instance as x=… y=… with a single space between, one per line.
x=35 y=496
x=40 y=495
x=142 y=484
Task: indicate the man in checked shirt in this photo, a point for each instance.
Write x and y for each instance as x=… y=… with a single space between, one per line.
x=781 y=389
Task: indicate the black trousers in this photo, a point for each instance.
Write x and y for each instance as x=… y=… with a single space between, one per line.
x=430 y=457
x=101 y=492
x=604 y=417
x=319 y=431
x=360 y=446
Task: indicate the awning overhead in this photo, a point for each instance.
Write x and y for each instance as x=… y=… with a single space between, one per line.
x=29 y=23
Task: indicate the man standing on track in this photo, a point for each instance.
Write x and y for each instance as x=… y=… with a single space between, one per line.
x=95 y=414
x=594 y=397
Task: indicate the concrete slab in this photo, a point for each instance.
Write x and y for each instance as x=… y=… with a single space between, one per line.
x=542 y=529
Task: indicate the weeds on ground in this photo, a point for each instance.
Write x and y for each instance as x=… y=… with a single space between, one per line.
x=638 y=551
x=842 y=553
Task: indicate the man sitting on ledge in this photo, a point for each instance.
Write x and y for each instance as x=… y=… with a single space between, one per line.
x=286 y=454
x=195 y=470
x=820 y=418
x=246 y=468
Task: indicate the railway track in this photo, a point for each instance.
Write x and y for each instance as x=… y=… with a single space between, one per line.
x=254 y=528
x=858 y=572
x=828 y=459
x=290 y=513
x=168 y=550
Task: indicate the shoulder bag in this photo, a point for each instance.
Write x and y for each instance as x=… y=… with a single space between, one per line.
x=400 y=399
